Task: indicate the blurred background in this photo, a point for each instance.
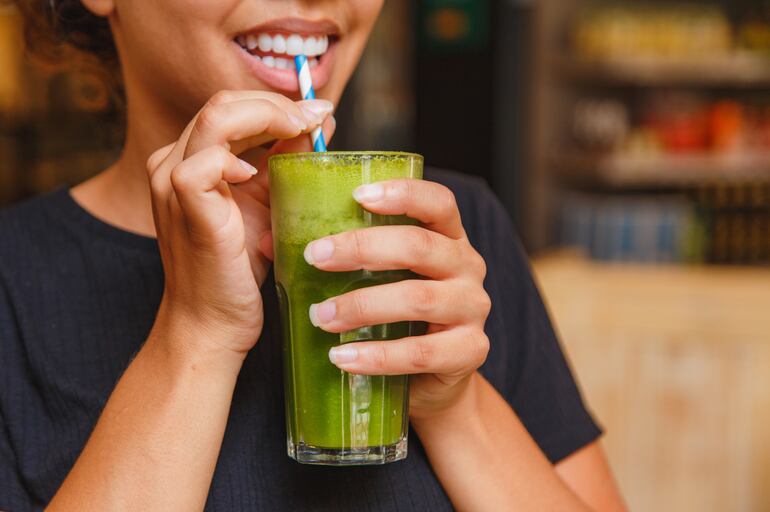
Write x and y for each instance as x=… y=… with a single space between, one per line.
x=630 y=142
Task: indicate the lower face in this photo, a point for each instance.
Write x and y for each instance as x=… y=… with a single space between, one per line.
x=184 y=51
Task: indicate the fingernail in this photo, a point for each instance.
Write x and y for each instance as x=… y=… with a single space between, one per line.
x=343 y=354
x=316 y=110
x=369 y=193
x=322 y=313
x=319 y=251
x=299 y=123
x=250 y=168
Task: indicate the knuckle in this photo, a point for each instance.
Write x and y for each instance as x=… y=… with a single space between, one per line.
x=447 y=202
x=285 y=103
x=378 y=357
x=360 y=305
x=209 y=118
x=359 y=245
x=485 y=303
x=270 y=109
x=222 y=97
x=457 y=251
x=407 y=190
x=479 y=346
x=154 y=161
x=219 y=155
x=424 y=298
x=157 y=184
x=423 y=242
x=421 y=354
x=479 y=264
x=180 y=178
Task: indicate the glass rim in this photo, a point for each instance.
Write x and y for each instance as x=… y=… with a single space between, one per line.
x=314 y=155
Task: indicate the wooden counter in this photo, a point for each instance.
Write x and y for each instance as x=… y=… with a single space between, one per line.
x=675 y=363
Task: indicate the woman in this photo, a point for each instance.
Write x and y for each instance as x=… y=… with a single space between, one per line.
x=133 y=378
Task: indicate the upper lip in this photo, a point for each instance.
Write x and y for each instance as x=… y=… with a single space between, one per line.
x=296 y=26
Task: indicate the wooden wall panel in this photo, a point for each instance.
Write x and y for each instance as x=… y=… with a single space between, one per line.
x=675 y=363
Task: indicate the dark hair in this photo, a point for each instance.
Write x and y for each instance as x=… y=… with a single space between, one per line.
x=63 y=33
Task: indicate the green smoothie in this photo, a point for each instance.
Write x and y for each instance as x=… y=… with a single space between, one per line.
x=334 y=417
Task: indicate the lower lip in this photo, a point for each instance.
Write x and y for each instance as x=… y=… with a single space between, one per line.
x=285 y=80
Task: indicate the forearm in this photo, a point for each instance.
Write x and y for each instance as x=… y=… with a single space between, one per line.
x=486 y=459
x=157 y=442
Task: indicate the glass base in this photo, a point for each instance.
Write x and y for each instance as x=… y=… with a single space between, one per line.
x=369 y=456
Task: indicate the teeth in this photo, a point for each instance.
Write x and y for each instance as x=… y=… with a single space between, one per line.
x=279 y=44
x=310 y=47
x=265 y=42
x=292 y=45
x=268 y=61
x=284 y=63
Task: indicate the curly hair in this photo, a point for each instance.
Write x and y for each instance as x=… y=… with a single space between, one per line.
x=63 y=33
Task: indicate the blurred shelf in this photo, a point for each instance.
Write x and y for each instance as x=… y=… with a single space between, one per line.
x=740 y=70
x=663 y=171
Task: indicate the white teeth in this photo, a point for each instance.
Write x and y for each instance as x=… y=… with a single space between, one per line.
x=309 y=47
x=268 y=61
x=294 y=45
x=284 y=63
x=279 y=44
x=265 y=42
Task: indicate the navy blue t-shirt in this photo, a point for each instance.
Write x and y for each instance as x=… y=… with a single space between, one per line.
x=78 y=298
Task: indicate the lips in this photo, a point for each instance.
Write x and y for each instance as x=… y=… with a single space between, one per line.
x=268 y=51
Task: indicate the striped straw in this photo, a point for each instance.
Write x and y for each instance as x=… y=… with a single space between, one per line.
x=306 y=88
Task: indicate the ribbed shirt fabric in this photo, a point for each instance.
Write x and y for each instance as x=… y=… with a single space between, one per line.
x=78 y=298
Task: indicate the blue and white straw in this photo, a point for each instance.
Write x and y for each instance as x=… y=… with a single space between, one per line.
x=306 y=88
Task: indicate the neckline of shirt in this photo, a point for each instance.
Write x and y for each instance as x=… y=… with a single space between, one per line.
x=67 y=205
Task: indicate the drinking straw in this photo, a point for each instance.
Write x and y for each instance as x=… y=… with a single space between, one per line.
x=306 y=88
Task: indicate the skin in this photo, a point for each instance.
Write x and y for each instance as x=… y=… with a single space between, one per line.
x=157 y=441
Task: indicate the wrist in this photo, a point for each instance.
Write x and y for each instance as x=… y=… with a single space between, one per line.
x=182 y=342
x=463 y=407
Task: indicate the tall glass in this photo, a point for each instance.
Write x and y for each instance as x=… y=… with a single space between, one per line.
x=333 y=417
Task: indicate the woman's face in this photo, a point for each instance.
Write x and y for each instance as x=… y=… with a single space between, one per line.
x=183 y=51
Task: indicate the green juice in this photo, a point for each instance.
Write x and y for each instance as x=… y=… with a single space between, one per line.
x=334 y=417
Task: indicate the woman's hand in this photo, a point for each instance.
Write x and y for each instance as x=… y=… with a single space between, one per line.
x=157 y=441
x=211 y=216
x=451 y=299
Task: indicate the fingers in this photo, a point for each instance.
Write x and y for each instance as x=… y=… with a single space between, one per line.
x=197 y=183
x=239 y=121
x=304 y=144
x=431 y=203
x=448 y=353
x=445 y=303
x=395 y=247
x=158 y=157
x=258 y=187
x=253 y=122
